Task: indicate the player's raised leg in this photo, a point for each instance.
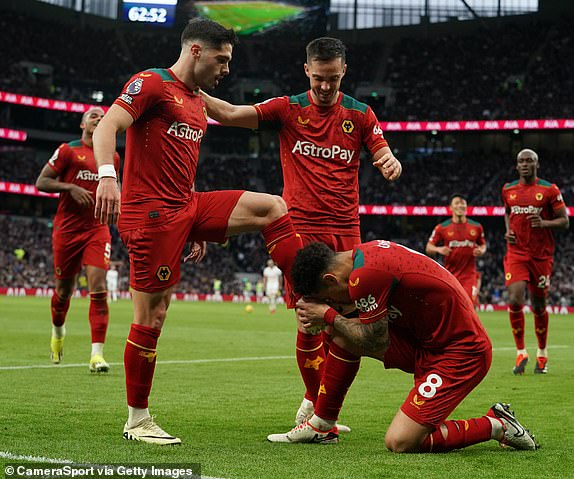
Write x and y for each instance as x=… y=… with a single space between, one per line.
x=150 y=311
x=98 y=316
x=268 y=214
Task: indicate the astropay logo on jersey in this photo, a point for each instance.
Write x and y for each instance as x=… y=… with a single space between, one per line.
x=460 y=244
x=87 y=175
x=333 y=152
x=525 y=210
x=183 y=130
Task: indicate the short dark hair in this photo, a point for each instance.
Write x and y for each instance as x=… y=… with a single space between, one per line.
x=311 y=263
x=325 y=49
x=457 y=195
x=208 y=31
x=88 y=111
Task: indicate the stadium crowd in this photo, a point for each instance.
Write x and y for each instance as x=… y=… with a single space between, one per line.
x=247 y=254
x=521 y=72
x=428 y=178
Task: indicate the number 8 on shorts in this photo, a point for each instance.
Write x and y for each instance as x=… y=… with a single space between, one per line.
x=429 y=387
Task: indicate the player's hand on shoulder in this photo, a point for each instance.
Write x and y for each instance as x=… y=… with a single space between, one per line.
x=107 y=207
x=81 y=196
x=389 y=166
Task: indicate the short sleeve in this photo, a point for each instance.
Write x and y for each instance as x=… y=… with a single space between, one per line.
x=373 y=137
x=60 y=159
x=481 y=239
x=370 y=290
x=273 y=109
x=556 y=200
x=503 y=196
x=436 y=236
x=140 y=93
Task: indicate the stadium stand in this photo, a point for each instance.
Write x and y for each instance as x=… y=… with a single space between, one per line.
x=514 y=71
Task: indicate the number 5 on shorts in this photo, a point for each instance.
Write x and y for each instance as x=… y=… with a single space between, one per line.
x=429 y=387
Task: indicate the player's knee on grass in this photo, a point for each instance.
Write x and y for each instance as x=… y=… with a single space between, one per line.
x=405 y=435
x=401 y=443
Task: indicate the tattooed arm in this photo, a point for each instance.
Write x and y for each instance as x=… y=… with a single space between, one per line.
x=372 y=338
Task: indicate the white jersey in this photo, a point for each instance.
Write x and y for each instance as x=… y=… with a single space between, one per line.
x=112 y=277
x=272 y=276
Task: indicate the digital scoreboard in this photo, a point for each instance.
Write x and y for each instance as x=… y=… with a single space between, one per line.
x=153 y=12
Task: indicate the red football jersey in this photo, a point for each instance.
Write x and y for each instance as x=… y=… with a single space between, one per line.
x=416 y=293
x=462 y=239
x=320 y=157
x=162 y=145
x=74 y=162
x=522 y=200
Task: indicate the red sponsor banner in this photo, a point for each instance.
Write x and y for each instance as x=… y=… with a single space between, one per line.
x=404 y=126
x=233 y=298
x=47 y=103
x=418 y=210
x=381 y=210
x=16 y=135
x=22 y=189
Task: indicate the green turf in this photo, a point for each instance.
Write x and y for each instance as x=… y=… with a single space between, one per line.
x=247 y=17
x=224 y=410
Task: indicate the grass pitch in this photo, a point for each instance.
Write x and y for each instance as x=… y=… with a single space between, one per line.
x=247 y=17
x=226 y=378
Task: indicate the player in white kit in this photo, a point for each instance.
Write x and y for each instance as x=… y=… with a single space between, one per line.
x=273 y=284
x=112 y=280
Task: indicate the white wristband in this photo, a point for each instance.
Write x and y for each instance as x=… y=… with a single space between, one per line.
x=107 y=171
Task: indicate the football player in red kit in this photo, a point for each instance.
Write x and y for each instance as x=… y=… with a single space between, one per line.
x=78 y=239
x=322 y=132
x=165 y=119
x=460 y=240
x=414 y=316
x=534 y=208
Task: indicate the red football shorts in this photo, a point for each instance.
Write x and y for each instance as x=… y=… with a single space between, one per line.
x=536 y=272
x=74 y=250
x=336 y=242
x=442 y=378
x=155 y=249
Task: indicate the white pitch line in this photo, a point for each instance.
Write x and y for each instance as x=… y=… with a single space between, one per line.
x=556 y=346
x=175 y=361
x=21 y=457
x=203 y=361
x=50 y=460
